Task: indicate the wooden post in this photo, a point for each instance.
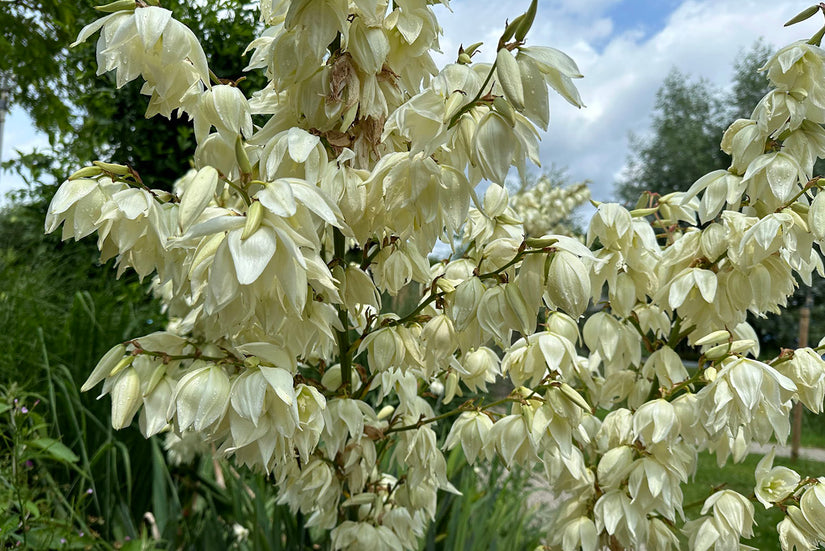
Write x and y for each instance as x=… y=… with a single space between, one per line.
x=804 y=323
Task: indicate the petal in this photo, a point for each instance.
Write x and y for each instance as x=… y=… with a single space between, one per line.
x=251 y=255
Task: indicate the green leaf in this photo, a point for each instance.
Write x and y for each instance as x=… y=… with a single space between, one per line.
x=56 y=449
x=4 y=407
x=31 y=507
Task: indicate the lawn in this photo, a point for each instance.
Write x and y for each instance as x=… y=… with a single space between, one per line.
x=740 y=477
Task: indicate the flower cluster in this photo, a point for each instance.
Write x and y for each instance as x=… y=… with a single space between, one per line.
x=276 y=253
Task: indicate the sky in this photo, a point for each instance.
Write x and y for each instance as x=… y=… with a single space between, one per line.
x=624 y=49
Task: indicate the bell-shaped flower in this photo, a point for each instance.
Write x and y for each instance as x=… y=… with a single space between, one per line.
x=812 y=504
x=744 y=140
x=612 y=225
x=77 y=205
x=479 y=367
x=618 y=516
x=666 y=365
x=512 y=439
x=796 y=533
x=616 y=430
x=471 y=429
x=494 y=147
x=655 y=422
x=580 y=534
x=568 y=283
x=201 y=397
x=773 y=484
x=807 y=370
x=614 y=466
x=745 y=390
x=126 y=397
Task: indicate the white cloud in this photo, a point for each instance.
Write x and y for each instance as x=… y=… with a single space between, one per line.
x=624 y=68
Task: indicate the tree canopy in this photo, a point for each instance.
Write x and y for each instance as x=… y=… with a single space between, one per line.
x=687 y=123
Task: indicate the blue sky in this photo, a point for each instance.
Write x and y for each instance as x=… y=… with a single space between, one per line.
x=624 y=48
x=645 y=16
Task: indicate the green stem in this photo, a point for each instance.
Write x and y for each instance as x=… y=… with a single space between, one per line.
x=472 y=103
x=409 y=317
x=516 y=260
x=814 y=182
x=687 y=382
x=460 y=409
x=240 y=190
x=344 y=353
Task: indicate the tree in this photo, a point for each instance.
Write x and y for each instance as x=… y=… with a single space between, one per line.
x=89 y=116
x=273 y=253
x=749 y=84
x=684 y=144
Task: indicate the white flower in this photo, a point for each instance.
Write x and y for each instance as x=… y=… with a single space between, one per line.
x=773 y=484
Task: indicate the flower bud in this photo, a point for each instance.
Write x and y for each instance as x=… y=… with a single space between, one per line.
x=451 y=387
x=87 y=171
x=201 y=397
x=467 y=296
x=568 y=283
x=455 y=101
x=254 y=216
x=510 y=78
x=111 y=168
x=196 y=195
x=504 y=107
x=816 y=217
x=126 y=398
x=117 y=5
x=105 y=366
x=716 y=337
x=242 y=157
x=494 y=146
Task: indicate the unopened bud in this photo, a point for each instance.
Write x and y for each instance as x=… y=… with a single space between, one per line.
x=574 y=396
x=471 y=49
x=385 y=412
x=526 y=21
x=125 y=362
x=254 y=216
x=505 y=110
x=242 y=157
x=464 y=59
x=639 y=213
x=119 y=5
x=126 y=398
x=509 y=76
x=451 y=387
x=112 y=168
x=162 y=196
x=444 y=285
x=540 y=242
x=714 y=338
x=803 y=15
x=154 y=379
x=454 y=104
x=86 y=172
